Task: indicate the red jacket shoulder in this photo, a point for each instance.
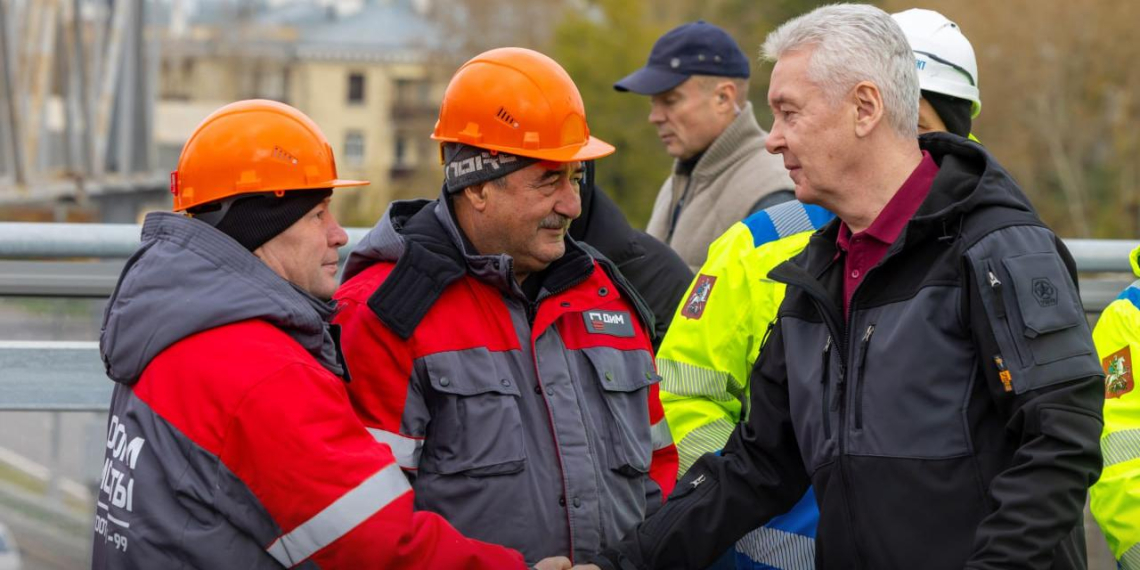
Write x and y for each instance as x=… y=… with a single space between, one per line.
x=363 y=284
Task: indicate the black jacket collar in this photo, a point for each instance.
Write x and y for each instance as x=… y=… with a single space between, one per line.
x=436 y=254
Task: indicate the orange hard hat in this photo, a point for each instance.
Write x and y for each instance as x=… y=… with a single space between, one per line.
x=521 y=102
x=249 y=147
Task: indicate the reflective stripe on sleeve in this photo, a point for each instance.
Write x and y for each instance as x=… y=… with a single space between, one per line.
x=1130 y=560
x=406 y=449
x=778 y=549
x=343 y=515
x=1120 y=446
x=684 y=379
x=708 y=438
x=659 y=435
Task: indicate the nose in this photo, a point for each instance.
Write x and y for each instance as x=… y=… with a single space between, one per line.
x=656 y=114
x=775 y=143
x=569 y=202
x=336 y=234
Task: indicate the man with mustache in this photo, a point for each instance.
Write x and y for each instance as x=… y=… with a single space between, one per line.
x=697 y=80
x=507 y=365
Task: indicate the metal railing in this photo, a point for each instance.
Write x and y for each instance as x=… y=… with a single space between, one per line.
x=84 y=260
x=32 y=257
x=23 y=240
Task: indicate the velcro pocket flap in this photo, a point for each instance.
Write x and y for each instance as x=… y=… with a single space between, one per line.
x=467 y=373
x=1044 y=295
x=476 y=426
x=622 y=371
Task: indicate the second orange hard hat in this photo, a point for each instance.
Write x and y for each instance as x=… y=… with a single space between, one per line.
x=249 y=147
x=518 y=101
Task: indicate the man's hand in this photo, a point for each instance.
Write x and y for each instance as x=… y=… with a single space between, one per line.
x=586 y=567
x=553 y=563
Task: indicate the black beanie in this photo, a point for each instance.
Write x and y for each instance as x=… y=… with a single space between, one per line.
x=953 y=111
x=465 y=165
x=255 y=219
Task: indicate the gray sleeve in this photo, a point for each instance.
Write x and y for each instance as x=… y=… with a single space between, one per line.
x=1031 y=303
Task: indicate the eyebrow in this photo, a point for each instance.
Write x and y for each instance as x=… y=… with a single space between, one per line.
x=557 y=173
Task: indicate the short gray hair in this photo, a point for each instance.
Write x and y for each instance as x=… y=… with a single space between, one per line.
x=709 y=82
x=854 y=43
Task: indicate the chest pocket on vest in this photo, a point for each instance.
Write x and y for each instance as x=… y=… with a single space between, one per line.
x=624 y=378
x=475 y=424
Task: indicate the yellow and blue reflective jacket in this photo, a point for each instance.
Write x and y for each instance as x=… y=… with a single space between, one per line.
x=1115 y=499
x=707 y=356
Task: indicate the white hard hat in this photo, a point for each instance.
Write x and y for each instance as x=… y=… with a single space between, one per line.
x=944 y=56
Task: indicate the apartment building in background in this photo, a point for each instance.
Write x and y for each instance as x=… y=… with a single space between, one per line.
x=367 y=71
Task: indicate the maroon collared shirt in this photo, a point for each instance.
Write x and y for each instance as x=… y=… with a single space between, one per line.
x=864 y=250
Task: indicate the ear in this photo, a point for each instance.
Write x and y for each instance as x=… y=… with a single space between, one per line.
x=868 y=101
x=725 y=97
x=477 y=195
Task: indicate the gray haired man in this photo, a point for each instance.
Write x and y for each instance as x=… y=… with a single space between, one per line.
x=947 y=413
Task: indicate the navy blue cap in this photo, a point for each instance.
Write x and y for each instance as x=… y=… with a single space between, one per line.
x=698 y=48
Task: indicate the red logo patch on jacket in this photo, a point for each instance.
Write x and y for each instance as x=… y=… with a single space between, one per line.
x=1118 y=373
x=613 y=323
x=695 y=304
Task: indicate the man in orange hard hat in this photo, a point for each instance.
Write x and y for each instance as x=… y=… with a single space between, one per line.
x=231 y=441
x=508 y=366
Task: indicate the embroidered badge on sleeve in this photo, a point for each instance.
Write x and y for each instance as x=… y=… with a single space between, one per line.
x=695 y=304
x=1118 y=373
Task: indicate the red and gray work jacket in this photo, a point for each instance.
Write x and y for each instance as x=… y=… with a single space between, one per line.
x=531 y=424
x=231 y=441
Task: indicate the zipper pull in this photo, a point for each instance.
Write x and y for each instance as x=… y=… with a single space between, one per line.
x=827 y=361
x=859 y=380
x=994 y=281
x=697 y=482
x=840 y=386
x=999 y=301
x=1003 y=372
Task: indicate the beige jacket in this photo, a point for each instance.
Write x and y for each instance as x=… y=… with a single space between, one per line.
x=733 y=174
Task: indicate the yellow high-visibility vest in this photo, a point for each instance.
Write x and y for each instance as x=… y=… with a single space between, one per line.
x=1115 y=498
x=714 y=339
